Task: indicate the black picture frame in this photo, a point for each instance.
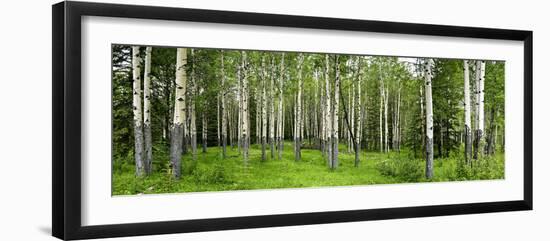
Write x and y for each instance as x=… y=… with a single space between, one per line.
x=67 y=135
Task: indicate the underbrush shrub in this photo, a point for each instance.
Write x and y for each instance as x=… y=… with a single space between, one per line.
x=211 y=175
x=402 y=169
x=488 y=168
x=124 y=164
x=482 y=169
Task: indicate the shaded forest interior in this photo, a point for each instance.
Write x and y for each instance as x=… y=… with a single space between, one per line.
x=189 y=119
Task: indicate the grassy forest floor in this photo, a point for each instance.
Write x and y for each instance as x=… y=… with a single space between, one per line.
x=212 y=173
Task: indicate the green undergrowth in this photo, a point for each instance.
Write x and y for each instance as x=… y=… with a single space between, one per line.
x=210 y=172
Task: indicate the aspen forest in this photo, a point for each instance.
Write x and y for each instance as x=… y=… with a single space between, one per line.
x=196 y=119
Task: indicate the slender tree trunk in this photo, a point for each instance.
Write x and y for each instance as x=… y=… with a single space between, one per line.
x=264 y=110
x=335 y=134
x=352 y=117
x=138 y=115
x=240 y=120
x=245 y=125
x=223 y=110
x=299 y=118
x=179 y=113
x=467 y=115
x=490 y=136
x=192 y=106
x=280 y=137
x=316 y=109
x=328 y=113
x=358 y=113
x=295 y=124
x=386 y=146
x=322 y=120
x=204 y=132
x=218 y=100
x=429 y=117
x=423 y=120
x=399 y=128
x=168 y=114
x=381 y=107
x=147 y=113
x=480 y=79
x=230 y=125
x=495 y=139
x=283 y=130
x=258 y=100
x=272 y=108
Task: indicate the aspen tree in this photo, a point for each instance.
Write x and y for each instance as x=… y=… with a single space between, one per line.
x=381 y=105
x=480 y=100
x=239 y=98
x=299 y=119
x=223 y=108
x=280 y=135
x=137 y=109
x=386 y=94
x=352 y=113
x=428 y=75
x=192 y=107
x=204 y=132
x=147 y=113
x=335 y=114
x=264 y=109
x=245 y=124
x=272 y=108
x=328 y=113
x=179 y=113
x=322 y=119
x=358 y=111
x=258 y=100
x=467 y=114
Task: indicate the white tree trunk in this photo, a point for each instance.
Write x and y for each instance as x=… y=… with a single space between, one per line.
x=335 y=133
x=245 y=124
x=381 y=133
x=351 y=104
x=386 y=94
x=204 y=132
x=322 y=114
x=223 y=109
x=272 y=108
x=138 y=115
x=240 y=105
x=422 y=117
x=467 y=114
x=328 y=112
x=218 y=114
x=258 y=100
x=480 y=100
x=179 y=113
x=429 y=117
x=280 y=137
x=398 y=120
x=299 y=118
x=358 y=112
x=192 y=107
x=147 y=113
x=264 y=109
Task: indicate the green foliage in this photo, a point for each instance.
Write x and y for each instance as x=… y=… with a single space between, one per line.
x=403 y=169
x=212 y=173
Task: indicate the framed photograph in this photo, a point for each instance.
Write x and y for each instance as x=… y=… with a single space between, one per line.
x=171 y=120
